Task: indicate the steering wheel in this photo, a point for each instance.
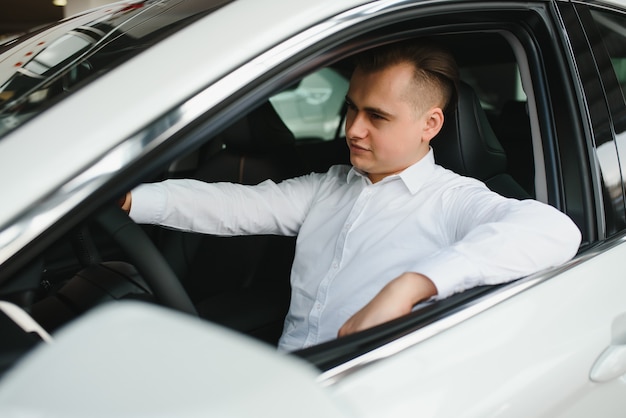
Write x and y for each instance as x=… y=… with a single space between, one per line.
x=146 y=258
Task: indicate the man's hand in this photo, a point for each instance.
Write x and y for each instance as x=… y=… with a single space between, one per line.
x=397 y=298
x=125 y=202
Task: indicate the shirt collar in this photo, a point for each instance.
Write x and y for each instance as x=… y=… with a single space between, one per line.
x=413 y=176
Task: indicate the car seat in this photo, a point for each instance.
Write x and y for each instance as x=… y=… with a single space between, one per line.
x=468 y=146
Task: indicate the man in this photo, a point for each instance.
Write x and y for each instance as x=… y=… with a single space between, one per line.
x=394 y=229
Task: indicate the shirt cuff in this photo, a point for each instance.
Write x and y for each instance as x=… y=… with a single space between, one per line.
x=148 y=204
x=449 y=271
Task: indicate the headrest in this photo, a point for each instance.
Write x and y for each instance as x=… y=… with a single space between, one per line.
x=260 y=130
x=466 y=144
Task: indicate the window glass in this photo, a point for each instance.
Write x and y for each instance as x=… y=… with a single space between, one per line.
x=612 y=28
x=312 y=109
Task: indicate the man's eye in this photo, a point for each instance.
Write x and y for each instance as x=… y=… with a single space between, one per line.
x=376 y=116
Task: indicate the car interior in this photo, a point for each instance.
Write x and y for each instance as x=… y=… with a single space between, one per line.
x=243 y=282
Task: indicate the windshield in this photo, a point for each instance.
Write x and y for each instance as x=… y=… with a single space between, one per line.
x=42 y=67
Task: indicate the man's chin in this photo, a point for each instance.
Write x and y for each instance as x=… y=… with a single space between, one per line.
x=359 y=162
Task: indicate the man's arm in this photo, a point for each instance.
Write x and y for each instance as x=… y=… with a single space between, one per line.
x=396 y=299
x=499 y=243
x=224 y=208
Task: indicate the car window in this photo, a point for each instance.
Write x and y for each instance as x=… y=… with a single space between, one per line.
x=312 y=109
x=613 y=36
x=611 y=27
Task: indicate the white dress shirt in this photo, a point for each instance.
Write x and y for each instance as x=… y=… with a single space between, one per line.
x=354 y=236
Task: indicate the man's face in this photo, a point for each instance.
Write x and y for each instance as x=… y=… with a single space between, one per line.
x=385 y=131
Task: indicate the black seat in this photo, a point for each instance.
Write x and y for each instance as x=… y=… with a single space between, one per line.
x=241 y=282
x=468 y=145
x=257 y=147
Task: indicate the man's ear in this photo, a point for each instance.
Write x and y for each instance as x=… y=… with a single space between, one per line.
x=432 y=124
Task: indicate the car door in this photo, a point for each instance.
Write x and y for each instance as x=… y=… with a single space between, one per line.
x=552 y=344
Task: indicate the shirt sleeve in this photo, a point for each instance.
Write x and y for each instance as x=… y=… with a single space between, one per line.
x=225 y=208
x=494 y=239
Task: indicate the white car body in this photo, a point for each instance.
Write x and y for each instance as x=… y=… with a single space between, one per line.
x=549 y=345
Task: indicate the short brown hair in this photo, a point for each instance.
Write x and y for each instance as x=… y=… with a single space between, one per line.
x=434 y=65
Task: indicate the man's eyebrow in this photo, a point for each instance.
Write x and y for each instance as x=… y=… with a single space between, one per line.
x=370 y=109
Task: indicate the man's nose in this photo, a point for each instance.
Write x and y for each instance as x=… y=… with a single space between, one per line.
x=356 y=126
